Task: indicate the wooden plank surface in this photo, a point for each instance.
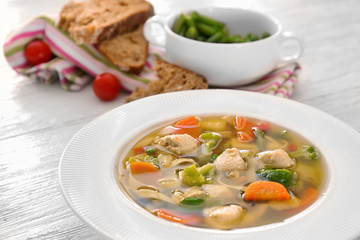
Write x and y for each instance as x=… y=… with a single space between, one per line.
x=37 y=121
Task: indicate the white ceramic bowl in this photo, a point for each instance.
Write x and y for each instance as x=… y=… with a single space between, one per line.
x=225 y=64
x=88 y=167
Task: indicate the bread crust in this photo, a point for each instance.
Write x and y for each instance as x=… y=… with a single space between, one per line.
x=93 y=21
x=172 y=78
x=127 y=51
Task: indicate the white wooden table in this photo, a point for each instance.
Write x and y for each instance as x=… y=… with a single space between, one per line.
x=37 y=121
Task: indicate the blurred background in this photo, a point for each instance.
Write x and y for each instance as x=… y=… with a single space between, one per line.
x=37 y=121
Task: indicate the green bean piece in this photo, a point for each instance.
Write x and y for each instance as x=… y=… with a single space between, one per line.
x=189 y=21
x=249 y=37
x=206 y=29
x=237 y=39
x=213 y=157
x=195 y=16
x=183 y=30
x=224 y=39
x=210 y=21
x=191 y=32
x=230 y=39
x=192 y=201
x=265 y=35
x=201 y=38
x=254 y=38
x=203 y=28
x=216 y=37
x=179 y=23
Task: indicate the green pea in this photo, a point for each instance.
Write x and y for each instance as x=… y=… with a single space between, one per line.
x=213 y=157
x=150 y=151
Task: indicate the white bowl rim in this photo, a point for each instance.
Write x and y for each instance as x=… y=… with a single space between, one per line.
x=334 y=177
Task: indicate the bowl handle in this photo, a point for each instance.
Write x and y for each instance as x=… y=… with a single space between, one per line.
x=153 y=36
x=288 y=36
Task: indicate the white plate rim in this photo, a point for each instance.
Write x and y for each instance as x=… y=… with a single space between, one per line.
x=192 y=101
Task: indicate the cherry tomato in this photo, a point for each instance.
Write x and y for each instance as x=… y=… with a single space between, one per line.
x=106 y=86
x=37 y=52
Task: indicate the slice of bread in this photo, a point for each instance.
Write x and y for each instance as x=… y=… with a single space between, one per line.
x=93 y=21
x=172 y=78
x=127 y=51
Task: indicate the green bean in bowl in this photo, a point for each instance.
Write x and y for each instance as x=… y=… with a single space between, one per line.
x=203 y=28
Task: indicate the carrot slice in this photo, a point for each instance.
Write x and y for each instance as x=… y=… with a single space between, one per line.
x=142 y=167
x=263 y=126
x=244 y=137
x=265 y=191
x=292 y=147
x=308 y=197
x=244 y=129
x=242 y=124
x=191 y=121
x=139 y=150
x=194 y=132
x=177 y=217
x=165 y=215
x=189 y=125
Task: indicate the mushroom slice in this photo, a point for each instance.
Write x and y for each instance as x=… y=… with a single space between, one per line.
x=148 y=187
x=178 y=196
x=152 y=192
x=168 y=182
x=237 y=187
x=224 y=217
x=219 y=192
x=165 y=160
x=195 y=192
x=293 y=202
x=180 y=161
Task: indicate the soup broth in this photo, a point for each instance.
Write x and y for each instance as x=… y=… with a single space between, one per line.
x=223 y=172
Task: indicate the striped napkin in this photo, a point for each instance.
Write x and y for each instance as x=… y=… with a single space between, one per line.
x=76 y=65
x=280 y=82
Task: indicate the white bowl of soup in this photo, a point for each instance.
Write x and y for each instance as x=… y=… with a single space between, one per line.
x=223 y=172
x=254 y=166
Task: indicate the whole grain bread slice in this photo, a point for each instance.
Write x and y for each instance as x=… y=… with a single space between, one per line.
x=92 y=21
x=127 y=51
x=172 y=78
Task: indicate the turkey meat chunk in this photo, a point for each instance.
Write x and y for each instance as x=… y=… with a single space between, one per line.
x=276 y=159
x=230 y=160
x=180 y=144
x=224 y=217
